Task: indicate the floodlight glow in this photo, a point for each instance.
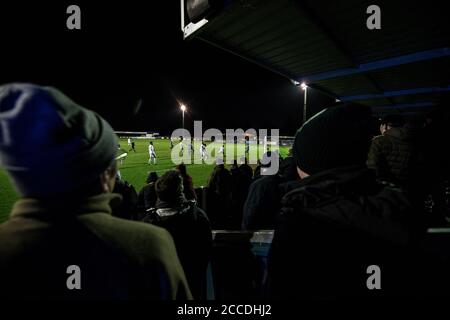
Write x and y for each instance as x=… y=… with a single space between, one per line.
x=303 y=86
x=183 y=107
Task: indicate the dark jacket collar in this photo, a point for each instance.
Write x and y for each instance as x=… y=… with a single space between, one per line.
x=343 y=177
x=176 y=203
x=165 y=208
x=376 y=216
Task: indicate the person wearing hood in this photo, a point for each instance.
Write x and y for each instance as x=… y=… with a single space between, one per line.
x=61 y=241
x=338 y=220
x=396 y=154
x=188 y=225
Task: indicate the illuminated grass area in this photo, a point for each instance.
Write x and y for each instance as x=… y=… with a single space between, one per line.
x=134 y=169
x=7 y=196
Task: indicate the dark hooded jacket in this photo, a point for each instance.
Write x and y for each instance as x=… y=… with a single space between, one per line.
x=264 y=197
x=332 y=227
x=146 y=198
x=191 y=231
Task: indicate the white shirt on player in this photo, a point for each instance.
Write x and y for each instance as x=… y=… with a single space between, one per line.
x=151 y=151
x=152 y=154
x=129 y=141
x=203 y=151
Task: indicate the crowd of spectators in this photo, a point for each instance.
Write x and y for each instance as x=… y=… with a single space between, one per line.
x=344 y=198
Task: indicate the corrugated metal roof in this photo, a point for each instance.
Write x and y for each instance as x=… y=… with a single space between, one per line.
x=433 y=73
x=327 y=44
x=407 y=26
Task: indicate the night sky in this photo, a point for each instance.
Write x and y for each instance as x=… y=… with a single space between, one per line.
x=129 y=51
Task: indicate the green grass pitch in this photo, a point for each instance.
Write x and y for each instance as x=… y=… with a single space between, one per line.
x=134 y=169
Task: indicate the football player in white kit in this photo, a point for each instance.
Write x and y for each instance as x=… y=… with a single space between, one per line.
x=221 y=149
x=203 y=151
x=151 y=153
x=221 y=152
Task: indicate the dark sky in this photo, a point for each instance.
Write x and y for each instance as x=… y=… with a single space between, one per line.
x=127 y=51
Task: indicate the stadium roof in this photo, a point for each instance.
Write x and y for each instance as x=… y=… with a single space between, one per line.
x=403 y=67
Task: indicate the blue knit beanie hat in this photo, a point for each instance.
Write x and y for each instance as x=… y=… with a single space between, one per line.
x=48 y=143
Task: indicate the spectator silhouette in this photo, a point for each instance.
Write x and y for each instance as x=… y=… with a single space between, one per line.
x=246 y=170
x=188 y=186
x=63 y=166
x=188 y=225
x=261 y=168
x=219 y=198
x=239 y=189
x=128 y=207
x=396 y=154
x=339 y=219
x=147 y=196
x=263 y=202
